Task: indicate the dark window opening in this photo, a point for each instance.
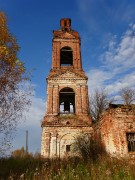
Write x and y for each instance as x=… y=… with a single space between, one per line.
x=66 y=56
x=131 y=142
x=67 y=148
x=67 y=101
x=67 y=123
x=65 y=23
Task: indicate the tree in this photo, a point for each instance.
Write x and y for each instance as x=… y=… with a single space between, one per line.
x=13 y=92
x=88 y=147
x=99 y=102
x=21 y=153
x=128 y=95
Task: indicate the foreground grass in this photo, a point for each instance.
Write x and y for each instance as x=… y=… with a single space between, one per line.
x=66 y=169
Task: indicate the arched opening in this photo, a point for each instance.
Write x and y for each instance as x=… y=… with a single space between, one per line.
x=66 y=56
x=67 y=101
x=66 y=142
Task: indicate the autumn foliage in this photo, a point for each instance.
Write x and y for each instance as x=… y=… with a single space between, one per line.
x=13 y=99
x=11 y=69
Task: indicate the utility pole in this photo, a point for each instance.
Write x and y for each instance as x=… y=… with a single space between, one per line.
x=26 y=141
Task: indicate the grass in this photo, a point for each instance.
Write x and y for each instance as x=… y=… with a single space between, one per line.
x=75 y=168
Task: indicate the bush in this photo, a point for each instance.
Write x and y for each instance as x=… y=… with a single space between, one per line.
x=88 y=148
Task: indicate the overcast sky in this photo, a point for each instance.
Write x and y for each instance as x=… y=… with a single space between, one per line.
x=107 y=31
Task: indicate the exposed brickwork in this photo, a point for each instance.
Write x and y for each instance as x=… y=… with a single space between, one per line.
x=60 y=130
x=113 y=126
x=68 y=79
x=62 y=38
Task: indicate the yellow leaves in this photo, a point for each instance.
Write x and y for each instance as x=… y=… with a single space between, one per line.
x=20 y=65
x=3 y=50
x=8 y=53
x=18 y=62
x=3 y=28
x=9 y=48
x=3 y=20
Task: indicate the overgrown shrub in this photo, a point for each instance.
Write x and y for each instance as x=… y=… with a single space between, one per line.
x=88 y=148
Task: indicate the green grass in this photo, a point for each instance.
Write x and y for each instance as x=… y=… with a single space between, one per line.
x=68 y=169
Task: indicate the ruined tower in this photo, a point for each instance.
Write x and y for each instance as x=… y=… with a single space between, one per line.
x=67 y=107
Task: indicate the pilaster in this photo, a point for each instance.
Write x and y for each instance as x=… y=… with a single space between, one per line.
x=78 y=100
x=53 y=145
x=49 y=105
x=55 y=100
x=84 y=93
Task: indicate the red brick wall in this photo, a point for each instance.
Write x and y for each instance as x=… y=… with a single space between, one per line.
x=113 y=126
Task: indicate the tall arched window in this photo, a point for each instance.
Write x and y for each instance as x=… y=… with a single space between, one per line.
x=66 y=56
x=67 y=101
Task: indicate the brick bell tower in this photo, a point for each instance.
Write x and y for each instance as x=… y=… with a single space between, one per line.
x=67 y=107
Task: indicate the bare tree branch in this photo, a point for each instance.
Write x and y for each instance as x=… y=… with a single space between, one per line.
x=128 y=95
x=99 y=101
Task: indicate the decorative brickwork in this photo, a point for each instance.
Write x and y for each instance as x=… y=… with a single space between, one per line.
x=67 y=104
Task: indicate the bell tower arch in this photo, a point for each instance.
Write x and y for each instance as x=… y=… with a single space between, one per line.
x=67 y=106
x=67 y=101
x=66 y=56
x=66 y=47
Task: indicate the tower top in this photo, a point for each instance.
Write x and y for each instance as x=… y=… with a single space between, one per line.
x=66 y=48
x=65 y=24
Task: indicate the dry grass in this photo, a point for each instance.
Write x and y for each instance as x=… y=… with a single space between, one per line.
x=103 y=168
